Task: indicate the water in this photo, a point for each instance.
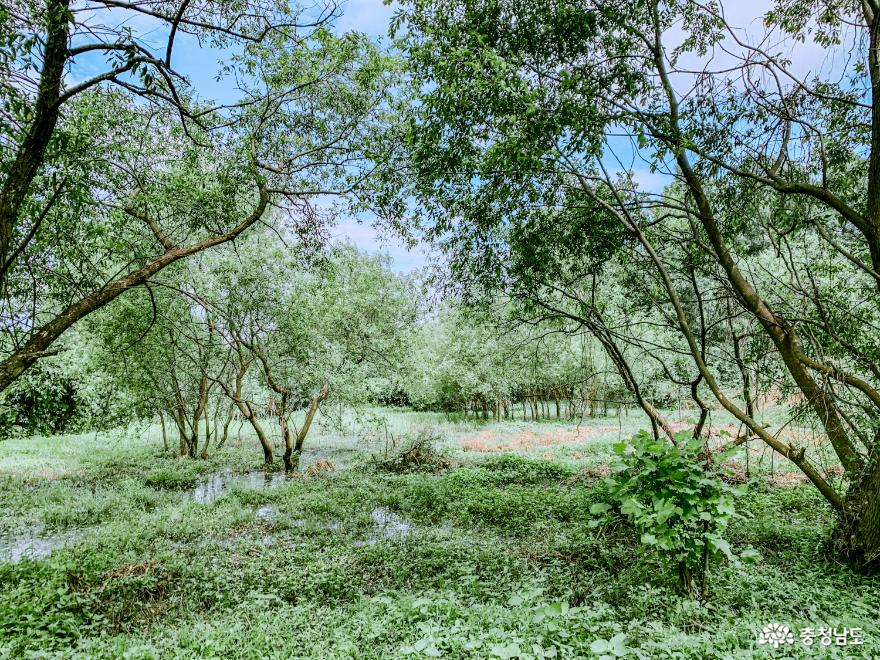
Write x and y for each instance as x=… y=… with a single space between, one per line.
x=389 y=524
x=34 y=543
x=218 y=484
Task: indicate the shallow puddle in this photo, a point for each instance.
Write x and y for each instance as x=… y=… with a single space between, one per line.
x=389 y=524
x=34 y=543
x=218 y=484
x=265 y=512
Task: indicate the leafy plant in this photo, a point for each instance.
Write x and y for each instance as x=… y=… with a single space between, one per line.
x=673 y=496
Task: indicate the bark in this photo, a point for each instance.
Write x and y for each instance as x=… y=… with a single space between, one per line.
x=746 y=378
x=229 y=415
x=32 y=151
x=164 y=431
x=183 y=433
x=857 y=534
x=244 y=406
x=310 y=415
x=204 y=453
x=248 y=412
x=872 y=230
x=193 y=438
x=704 y=409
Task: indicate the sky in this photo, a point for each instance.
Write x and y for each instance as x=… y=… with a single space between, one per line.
x=372 y=17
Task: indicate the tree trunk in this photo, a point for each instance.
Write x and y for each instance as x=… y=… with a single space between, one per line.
x=858 y=531
x=310 y=415
x=307 y=423
x=31 y=153
x=229 y=415
x=182 y=432
x=164 y=432
x=204 y=453
x=248 y=412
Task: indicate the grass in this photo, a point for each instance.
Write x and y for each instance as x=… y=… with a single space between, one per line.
x=492 y=557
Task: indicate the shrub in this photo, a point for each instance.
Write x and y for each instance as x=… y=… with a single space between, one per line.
x=416 y=453
x=674 y=499
x=514 y=469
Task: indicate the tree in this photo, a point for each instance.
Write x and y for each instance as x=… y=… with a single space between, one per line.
x=107 y=181
x=529 y=116
x=271 y=327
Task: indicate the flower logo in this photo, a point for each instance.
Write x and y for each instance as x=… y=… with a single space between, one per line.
x=776 y=634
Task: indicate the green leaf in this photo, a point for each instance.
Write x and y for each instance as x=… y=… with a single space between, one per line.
x=750 y=555
x=721 y=545
x=599 y=646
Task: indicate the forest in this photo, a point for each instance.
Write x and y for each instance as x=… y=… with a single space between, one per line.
x=440 y=328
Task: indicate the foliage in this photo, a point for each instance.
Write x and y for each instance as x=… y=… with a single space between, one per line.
x=497 y=557
x=68 y=392
x=107 y=181
x=583 y=160
x=678 y=507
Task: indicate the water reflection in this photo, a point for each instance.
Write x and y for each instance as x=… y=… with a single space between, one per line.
x=218 y=484
x=34 y=543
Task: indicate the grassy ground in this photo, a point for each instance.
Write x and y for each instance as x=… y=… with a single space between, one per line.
x=161 y=557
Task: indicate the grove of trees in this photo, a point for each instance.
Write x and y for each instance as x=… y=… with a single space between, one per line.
x=635 y=203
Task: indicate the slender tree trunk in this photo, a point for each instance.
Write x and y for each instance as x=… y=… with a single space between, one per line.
x=307 y=423
x=704 y=409
x=248 y=412
x=204 y=453
x=229 y=416
x=164 y=432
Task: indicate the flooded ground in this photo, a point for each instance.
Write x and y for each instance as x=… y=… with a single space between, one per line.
x=218 y=484
x=390 y=525
x=38 y=542
x=35 y=543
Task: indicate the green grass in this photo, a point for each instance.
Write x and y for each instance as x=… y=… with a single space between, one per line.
x=490 y=558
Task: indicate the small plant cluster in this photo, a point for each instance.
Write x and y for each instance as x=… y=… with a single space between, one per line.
x=415 y=453
x=676 y=501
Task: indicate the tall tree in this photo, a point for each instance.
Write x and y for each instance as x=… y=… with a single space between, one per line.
x=536 y=111
x=107 y=180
